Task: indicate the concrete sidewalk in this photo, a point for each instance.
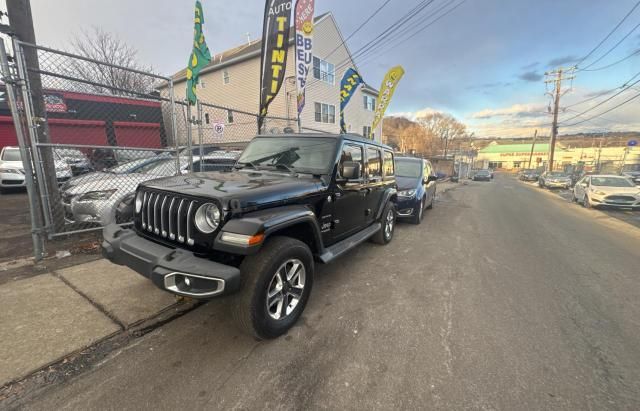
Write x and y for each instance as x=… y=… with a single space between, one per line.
x=47 y=317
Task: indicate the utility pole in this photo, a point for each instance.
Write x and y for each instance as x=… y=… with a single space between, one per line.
x=21 y=22
x=556 y=77
x=533 y=146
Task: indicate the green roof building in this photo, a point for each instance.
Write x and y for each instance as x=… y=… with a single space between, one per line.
x=514 y=156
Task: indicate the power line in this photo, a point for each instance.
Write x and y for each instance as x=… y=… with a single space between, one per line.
x=635 y=53
x=610 y=33
x=367 y=20
x=415 y=11
x=393 y=36
x=625 y=87
x=420 y=29
x=613 y=48
x=604 y=112
x=604 y=93
x=367 y=51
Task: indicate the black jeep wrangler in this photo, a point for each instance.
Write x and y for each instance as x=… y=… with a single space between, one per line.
x=255 y=231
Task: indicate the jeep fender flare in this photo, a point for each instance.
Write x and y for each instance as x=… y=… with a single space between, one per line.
x=390 y=194
x=269 y=222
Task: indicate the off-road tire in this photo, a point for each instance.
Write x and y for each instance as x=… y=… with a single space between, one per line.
x=380 y=237
x=249 y=307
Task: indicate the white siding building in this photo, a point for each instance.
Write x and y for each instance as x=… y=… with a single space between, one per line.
x=232 y=80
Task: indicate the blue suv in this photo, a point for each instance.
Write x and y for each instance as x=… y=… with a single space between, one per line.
x=416 y=181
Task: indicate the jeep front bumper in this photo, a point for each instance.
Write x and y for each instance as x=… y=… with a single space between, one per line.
x=174 y=270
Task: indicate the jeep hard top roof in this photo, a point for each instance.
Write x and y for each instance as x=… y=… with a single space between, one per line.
x=351 y=137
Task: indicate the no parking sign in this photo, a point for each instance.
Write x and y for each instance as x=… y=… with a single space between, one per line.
x=218 y=129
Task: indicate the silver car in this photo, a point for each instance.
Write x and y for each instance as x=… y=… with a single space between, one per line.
x=607 y=191
x=106 y=198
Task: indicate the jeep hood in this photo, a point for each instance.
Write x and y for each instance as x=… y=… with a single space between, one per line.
x=250 y=188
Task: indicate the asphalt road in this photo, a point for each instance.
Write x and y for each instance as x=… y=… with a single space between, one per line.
x=506 y=298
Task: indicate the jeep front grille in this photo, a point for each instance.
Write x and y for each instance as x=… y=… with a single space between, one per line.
x=168 y=216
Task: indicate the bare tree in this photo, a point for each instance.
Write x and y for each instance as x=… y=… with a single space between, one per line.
x=102 y=47
x=443 y=127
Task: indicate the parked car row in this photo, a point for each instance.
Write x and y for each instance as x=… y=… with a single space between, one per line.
x=611 y=191
x=12 y=173
x=554 y=179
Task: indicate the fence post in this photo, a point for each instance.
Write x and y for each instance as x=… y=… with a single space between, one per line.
x=41 y=178
x=189 y=136
x=34 y=209
x=200 y=133
x=174 y=131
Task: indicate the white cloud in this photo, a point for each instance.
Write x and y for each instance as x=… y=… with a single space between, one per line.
x=413 y=115
x=516 y=110
x=521 y=120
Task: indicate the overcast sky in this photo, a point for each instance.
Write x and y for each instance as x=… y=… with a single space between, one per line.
x=483 y=62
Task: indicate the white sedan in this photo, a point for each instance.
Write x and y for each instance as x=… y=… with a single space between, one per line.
x=607 y=191
x=12 y=170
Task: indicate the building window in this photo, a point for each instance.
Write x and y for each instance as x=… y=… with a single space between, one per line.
x=225 y=77
x=516 y=164
x=229 y=116
x=495 y=164
x=369 y=103
x=325 y=113
x=374 y=163
x=324 y=71
x=367 y=132
x=206 y=118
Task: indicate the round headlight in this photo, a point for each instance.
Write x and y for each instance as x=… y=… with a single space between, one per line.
x=139 y=201
x=207 y=218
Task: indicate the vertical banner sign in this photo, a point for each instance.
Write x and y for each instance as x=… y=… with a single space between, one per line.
x=304 y=46
x=200 y=56
x=348 y=86
x=387 y=89
x=275 y=47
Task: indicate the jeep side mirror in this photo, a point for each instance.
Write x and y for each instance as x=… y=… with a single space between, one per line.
x=351 y=170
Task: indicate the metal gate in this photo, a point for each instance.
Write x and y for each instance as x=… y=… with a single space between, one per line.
x=76 y=116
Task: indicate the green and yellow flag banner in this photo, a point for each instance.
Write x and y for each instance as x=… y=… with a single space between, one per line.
x=200 y=56
x=391 y=80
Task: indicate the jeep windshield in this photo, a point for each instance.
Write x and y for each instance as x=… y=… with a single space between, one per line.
x=313 y=155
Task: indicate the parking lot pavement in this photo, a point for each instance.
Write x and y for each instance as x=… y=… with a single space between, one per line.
x=504 y=298
x=16 y=246
x=627 y=216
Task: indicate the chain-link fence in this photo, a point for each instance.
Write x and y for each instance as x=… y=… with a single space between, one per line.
x=92 y=131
